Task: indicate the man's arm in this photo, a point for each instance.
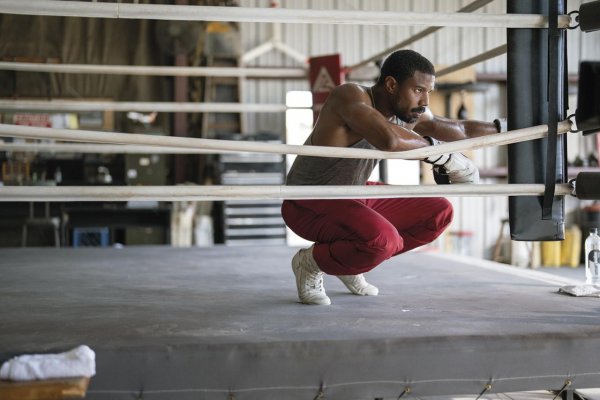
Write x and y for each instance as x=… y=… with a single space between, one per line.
x=353 y=106
x=449 y=130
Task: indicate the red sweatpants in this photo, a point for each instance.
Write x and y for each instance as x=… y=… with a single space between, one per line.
x=354 y=236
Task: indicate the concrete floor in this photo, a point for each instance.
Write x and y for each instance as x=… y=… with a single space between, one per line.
x=576 y=274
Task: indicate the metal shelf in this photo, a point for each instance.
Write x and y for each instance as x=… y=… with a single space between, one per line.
x=247 y=222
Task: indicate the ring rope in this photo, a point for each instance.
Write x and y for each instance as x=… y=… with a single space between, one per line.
x=140 y=106
x=68 y=105
x=570 y=118
x=515 y=136
x=99 y=148
x=287 y=73
x=282 y=15
x=576 y=12
x=477 y=4
x=263 y=192
x=495 y=52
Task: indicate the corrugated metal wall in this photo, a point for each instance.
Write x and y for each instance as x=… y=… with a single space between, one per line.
x=446 y=47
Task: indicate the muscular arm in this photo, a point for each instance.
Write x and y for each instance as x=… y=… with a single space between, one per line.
x=350 y=115
x=449 y=130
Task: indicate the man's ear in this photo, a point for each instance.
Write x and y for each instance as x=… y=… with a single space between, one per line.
x=390 y=84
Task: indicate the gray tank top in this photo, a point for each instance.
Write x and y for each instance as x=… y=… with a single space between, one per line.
x=308 y=170
x=335 y=171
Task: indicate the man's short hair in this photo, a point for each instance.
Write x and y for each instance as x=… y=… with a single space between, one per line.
x=403 y=64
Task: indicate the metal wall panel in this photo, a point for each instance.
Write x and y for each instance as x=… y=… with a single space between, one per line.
x=447 y=41
x=398 y=33
x=575 y=41
x=350 y=38
x=323 y=39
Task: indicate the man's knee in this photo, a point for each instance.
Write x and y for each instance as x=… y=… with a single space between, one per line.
x=443 y=212
x=378 y=249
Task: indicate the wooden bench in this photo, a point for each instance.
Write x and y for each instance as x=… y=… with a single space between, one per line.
x=52 y=389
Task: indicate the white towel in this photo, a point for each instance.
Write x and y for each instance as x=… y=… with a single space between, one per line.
x=581 y=290
x=81 y=361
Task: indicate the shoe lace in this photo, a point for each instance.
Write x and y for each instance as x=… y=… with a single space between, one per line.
x=315 y=281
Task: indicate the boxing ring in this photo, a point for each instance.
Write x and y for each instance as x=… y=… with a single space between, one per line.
x=224 y=322
x=215 y=323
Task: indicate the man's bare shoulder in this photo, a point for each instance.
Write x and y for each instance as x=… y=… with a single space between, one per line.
x=350 y=92
x=349 y=89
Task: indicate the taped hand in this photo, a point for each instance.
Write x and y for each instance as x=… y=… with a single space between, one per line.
x=452 y=168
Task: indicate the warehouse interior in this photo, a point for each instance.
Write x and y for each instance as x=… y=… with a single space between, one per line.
x=195 y=299
x=475 y=92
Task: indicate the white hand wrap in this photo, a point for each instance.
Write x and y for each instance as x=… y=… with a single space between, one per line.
x=458 y=167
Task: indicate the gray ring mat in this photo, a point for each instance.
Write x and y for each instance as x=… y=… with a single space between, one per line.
x=209 y=323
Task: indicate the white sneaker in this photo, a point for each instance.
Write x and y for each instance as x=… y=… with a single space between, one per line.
x=309 y=278
x=358 y=285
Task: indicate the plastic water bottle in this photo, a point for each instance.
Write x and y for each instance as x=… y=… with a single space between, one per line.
x=592 y=258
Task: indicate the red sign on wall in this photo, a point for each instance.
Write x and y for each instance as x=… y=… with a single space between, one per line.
x=325 y=74
x=42 y=120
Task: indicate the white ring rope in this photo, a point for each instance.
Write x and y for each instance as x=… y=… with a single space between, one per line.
x=417 y=36
x=279 y=73
x=83 y=105
x=284 y=73
x=515 y=136
x=282 y=15
x=495 y=52
x=140 y=106
x=98 y=148
x=217 y=193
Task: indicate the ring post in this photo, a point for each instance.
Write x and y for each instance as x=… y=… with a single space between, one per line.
x=527 y=105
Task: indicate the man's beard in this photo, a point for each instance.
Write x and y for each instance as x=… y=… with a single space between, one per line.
x=410 y=119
